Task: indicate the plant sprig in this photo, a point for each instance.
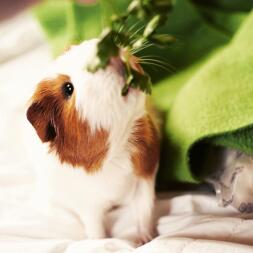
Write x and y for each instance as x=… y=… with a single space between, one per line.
x=116 y=42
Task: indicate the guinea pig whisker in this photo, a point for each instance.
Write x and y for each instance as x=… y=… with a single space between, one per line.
x=133 y=26
x=143 y=45
x=157 y=59
x=127 y=29
x=147 y=45
x=136 y=32
x=157 y=64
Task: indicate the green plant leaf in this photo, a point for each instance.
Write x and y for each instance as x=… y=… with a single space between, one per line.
x=106 y=48
x=113 y=38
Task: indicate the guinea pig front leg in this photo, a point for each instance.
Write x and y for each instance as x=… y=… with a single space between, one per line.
x=93 y=219
x=142 y=208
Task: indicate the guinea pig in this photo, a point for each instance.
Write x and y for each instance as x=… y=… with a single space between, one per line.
x=93 y=148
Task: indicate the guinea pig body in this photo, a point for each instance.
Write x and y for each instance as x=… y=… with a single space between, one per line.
x=93 y=149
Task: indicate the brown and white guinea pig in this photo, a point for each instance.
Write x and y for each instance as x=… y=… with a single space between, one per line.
x=94 y=149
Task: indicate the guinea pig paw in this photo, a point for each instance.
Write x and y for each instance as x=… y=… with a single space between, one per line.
x=145 y=236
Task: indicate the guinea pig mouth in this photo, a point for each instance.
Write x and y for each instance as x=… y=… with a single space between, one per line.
x=119 y=63
x=129 y=68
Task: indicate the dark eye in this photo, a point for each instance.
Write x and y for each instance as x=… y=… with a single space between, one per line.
x=67 y=89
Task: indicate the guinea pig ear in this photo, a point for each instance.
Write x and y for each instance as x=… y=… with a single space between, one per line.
x=42 y=119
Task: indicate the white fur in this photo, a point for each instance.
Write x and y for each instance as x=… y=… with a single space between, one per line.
x=98 y=100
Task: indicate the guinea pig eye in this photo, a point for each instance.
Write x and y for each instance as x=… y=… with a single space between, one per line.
x=68 y=89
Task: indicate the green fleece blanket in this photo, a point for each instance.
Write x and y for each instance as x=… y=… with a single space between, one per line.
x=206 y=98
x=214 y=106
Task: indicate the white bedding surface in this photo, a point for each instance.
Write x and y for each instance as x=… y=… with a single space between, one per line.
x=186 y=223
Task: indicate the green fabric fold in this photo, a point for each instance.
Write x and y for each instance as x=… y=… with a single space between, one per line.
x=213 y=107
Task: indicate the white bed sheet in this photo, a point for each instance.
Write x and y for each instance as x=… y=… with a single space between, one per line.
x=186 y=223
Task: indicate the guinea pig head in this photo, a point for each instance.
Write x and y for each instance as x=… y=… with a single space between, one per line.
x=75 y=110
x=57 y=122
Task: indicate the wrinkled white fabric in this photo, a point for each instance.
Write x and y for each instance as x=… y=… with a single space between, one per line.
x=186 y=223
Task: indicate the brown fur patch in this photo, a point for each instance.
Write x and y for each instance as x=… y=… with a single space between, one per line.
x=56 y=121
x=145 y=147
